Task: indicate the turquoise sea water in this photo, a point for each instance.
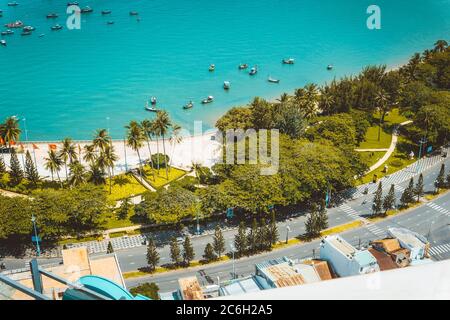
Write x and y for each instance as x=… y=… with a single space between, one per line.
x=69 y=83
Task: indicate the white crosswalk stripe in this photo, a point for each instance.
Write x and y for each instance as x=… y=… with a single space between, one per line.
x=439 y=250
x=354 y=215
x=438 y=208
x=376 y=230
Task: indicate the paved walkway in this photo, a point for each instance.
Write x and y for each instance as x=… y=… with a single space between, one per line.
x=10 y=194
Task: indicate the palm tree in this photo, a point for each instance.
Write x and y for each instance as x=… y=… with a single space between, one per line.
x=96 y=174
x=175 y=139
x=106 y=160
x=162 y=124
x=68 y=153
x=135 y=138
x=198 y=170
x=440 y=46
x=326 y=100
x=382 y=100
x=147 y=128
x=10 y=131
x=53 y=163
x=89 y=153
x=77 y=174
x=101 y=139
x=283 y=98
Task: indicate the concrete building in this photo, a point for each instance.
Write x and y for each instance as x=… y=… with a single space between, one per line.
x=414 y=242
x=279 y=273
x=346 y=260
x=392 y=248
x=242 y=286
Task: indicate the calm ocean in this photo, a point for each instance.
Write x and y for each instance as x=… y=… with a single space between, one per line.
x=69 y=83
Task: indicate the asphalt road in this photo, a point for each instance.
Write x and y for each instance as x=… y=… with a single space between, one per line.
x=423 y=219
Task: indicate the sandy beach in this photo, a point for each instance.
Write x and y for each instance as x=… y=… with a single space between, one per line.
x=201 y=148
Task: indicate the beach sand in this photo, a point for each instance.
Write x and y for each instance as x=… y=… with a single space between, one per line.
x=199 y=148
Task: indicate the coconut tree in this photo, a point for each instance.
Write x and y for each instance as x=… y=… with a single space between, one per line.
x=106 y=160
x=440 y=46
x=77 y=174
x=147 y=129
x=162 y=125
x=53 y=163
x=10 y=131
x=68 y=153
x=89 y=153
x=326 y=100
x=283 y=98
x=96 y=174
x=135 y=139
x=382 y=100
x=175 y=139
x=101 y=139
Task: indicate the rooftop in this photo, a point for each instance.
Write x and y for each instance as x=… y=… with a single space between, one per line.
x=190 y=288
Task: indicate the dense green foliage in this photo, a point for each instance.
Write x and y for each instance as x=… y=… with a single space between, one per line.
x=148 y=289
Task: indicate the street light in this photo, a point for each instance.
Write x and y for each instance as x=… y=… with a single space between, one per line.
x=36 y=238
x=288 y=229
x=233 y=249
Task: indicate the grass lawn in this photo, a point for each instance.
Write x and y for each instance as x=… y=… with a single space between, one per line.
x=397 y=161
x=372 y=142
x=370 y=158
x=394 y=117
x=124 y=186
x=160 y=178
x=112 y=222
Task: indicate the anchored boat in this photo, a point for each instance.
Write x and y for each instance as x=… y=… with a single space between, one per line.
x=253 y=71
x=150 y=108
x=56 y=27
x=106 y=12
x=16 y=24
x=207 y=100
x=52 y=16
x=7 y=32
x=226 y=85
x=330 y=67
x=243 y=66
x=288 y=61
x=272 y=80
x=189 y=105
x=86 y=9
x=3 y=42
x=212 y=67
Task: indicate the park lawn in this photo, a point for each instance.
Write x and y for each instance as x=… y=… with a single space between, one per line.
x=397 y=161
x=124 y=186
x=371 y=139
x=371 y=157
x=394 y=117
x=160 y=178
x=111 y=221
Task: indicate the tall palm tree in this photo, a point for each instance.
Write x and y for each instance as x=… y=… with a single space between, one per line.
x=147 y=128
x=162 y=125
x=135 y=139
x=53 y=163
x=77 y=174
x=440 y=46
x=283 y=98
x=382 y=100
x=101 y=139
x=89 y=153
x=96 y=174
x=10 y=131
x=326 y=101
x=68 y=153
x=175 y=139
x=198 y=170
x=106 y=160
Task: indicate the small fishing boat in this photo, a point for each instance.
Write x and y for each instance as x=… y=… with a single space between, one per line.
x=86 y=9
x=226 y=85
x=110 y=22
x=212 y=67
x=29 y=28
x=288 y=61
x=209 y=99
x=16 y=24
x=52 y=16
x=150 y=108
x=3 y=42
x=26 y=33
x=272 y=80
x=75 y=3
x=7 y=32
x=134 y=13
x=42 y=35
x=56 y=27
x=253 y=71
x=243 y=66
x=189 y=105
x=153 y=101
x=13 y=4
x=106 y=12
x=330 y=67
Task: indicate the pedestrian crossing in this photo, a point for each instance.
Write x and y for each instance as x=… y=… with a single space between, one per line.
x=439 y=250
x=397 y=177
x=439 y=208
x=117 y=243
x=354 y=215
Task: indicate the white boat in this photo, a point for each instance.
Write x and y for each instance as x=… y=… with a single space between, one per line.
x=289 y=61
x=189 y=105
x=13 y=4
x=272 y=80
x=150 y=108
x=153 y=101
x=253 y=71
x=212 y=67
x=226 y=85
x=330 y=67
x=3 y=42
x=207 y=100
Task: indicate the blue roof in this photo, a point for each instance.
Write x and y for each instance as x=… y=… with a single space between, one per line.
x=239 y=286
x=364 y=258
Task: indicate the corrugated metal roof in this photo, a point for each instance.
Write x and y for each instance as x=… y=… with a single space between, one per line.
x=308 y=273
x=241 y=286
x=384 y=260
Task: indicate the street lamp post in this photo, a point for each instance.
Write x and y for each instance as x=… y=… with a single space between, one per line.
x=233 y=249
x=38 y=249
x=288 y=229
